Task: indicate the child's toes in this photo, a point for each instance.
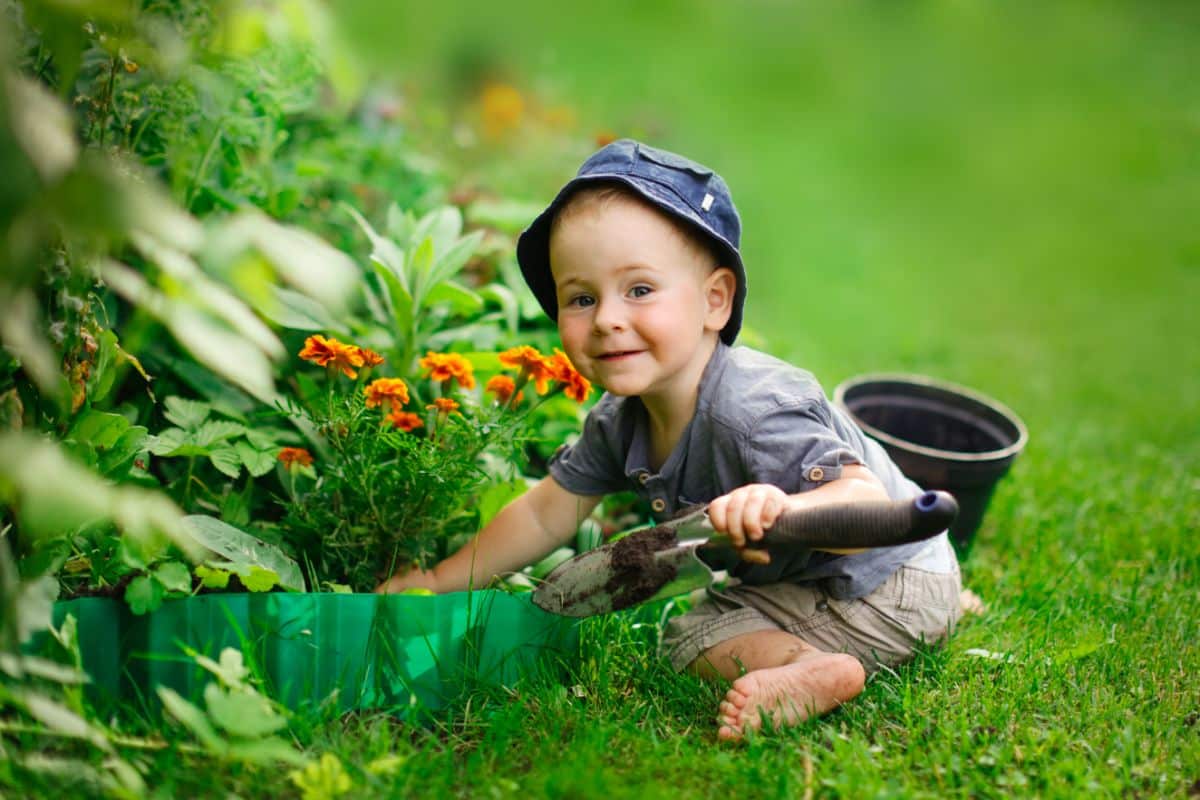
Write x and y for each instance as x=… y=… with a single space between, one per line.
x=736 y=698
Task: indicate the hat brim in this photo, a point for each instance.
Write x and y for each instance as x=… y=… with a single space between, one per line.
x=533 y=246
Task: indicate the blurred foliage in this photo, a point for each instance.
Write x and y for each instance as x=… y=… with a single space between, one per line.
x=188 y=181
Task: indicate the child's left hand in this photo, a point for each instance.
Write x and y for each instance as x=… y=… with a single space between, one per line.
x=745 y=514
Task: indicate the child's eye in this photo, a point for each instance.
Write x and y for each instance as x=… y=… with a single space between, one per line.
x=581 y=301
x=640 y=291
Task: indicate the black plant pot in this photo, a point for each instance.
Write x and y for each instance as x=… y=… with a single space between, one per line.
x=941 y=435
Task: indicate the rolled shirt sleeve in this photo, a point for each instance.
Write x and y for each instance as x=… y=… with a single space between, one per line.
x=594 y=463
x=797 y=448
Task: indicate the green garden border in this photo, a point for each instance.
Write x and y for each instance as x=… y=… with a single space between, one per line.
x=388 y=652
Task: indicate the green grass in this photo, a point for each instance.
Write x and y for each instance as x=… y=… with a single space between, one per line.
x=1005 y=197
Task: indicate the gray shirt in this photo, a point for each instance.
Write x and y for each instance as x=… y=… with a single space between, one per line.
x=757 y=420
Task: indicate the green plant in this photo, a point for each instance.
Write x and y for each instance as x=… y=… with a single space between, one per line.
x=412 y=292
x=237 y=722
x=399 y=485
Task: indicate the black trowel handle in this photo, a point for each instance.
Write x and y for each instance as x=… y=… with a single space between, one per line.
x=874 y=523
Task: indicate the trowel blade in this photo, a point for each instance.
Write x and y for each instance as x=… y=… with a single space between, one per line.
x=644 y=566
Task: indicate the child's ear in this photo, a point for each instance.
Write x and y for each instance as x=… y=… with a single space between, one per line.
x=719 y=289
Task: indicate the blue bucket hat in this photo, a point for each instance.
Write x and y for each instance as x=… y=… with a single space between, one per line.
x=676 y=185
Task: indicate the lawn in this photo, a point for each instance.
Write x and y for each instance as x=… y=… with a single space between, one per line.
x=1005 y=198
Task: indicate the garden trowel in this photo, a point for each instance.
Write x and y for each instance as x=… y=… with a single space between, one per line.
x=665 y=560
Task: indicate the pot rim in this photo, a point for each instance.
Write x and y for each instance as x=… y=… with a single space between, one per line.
x=1009 y=451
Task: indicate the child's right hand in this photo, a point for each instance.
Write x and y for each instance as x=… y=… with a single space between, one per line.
x=411 y=578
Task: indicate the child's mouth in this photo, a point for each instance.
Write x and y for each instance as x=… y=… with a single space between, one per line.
x=618 y=355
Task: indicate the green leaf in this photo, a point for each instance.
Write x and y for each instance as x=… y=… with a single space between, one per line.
x=240 y=547
x=322 y=780
x=265 y=751
x=229 y=669
x=227 y=461
x=303 y=259
x=440 y=227
x=548 y=564
x=174 y=576
x=462 y=301
x=258 y=462
x=400 y=223
x=397 y=299
x=452 y=260
x=221 y=395
x=187 y=414
x=497 y=496
x=222 y=350
x=59 y=718
x=266 y=438
x=115 y=462
x=212 y=577
x=384 y=251
x=507 y=301
x=257 y=579
x=243 y=713
x=34 y=606
x=235 y=505
x=98 y=428
x=422 y=262
x=133 y=554
x=291 y=309
x=216 y=430
x=42 y=668
x=168 y=442
x=192 y=718
x=104 y=371
x=143 y=594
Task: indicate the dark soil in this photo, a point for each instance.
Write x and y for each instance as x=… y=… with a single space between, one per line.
x=637 y=574
x=117 y=589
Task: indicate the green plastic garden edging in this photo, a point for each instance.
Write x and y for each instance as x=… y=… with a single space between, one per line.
x=392 y=652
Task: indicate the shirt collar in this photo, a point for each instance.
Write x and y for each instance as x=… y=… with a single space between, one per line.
x=637 y=460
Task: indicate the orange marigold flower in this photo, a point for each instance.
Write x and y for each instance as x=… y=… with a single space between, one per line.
x=405 y=420
x=575 y=386
x=444 y=405
x=502 y=107
x=370 y=357
x=332 y=353
x=449 y=366
x=604 y=138
x=503 y=387
x=386 y=390
x=295 y=455
x=533 y=365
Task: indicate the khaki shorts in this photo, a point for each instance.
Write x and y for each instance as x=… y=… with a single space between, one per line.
x=910 y=607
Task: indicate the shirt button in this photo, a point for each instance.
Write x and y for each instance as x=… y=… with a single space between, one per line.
x=816 y=474
x=659 y=505
x=643 y=477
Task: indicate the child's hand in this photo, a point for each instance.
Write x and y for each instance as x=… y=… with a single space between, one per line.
x=411 y=578
x=745 y=513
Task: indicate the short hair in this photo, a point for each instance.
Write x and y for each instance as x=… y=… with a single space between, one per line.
x=601 y=193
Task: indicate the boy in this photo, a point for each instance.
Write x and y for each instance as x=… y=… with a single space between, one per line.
x=637 y=260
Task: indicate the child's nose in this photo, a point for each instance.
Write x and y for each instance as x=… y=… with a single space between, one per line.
x=608 y=316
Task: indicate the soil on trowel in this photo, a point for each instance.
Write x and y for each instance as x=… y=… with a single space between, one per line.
x=637 y=574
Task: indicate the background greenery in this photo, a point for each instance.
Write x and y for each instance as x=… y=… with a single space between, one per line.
x=999 y=195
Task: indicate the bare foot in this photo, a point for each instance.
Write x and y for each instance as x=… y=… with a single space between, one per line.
x=971 y=603
x=814 y=684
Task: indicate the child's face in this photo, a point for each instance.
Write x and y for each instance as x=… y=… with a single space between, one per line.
x=639 y=307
